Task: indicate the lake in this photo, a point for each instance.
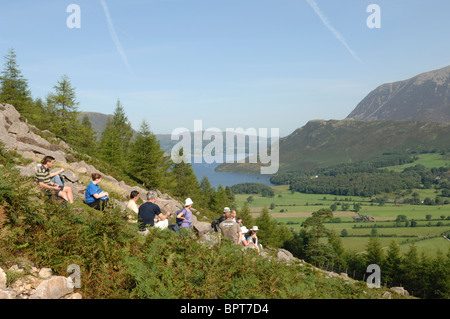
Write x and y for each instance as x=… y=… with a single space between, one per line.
x=226 y=179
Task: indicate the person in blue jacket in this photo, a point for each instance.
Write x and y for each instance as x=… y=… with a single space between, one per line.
x=95 y=196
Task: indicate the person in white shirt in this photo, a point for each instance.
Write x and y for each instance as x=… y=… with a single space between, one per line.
x=134 y=196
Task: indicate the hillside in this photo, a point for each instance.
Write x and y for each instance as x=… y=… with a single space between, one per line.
x=116 y=262
x=324 y=143
x=425 y=97
x=393 y=117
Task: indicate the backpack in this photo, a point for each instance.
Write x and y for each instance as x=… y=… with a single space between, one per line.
x=179 y=220
x=216 y=222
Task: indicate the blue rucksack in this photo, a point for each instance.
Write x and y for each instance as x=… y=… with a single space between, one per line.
x=179 y=220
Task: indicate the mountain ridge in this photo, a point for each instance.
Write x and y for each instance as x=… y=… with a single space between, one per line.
x=424 y=97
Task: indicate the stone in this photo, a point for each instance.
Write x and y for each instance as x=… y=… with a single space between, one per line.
x=386 y=295
x=2 y=279
x=7 y=293
x=45 y=273
x=202 y=227
x=74 y=296
x=16 y=269
x=54 y=288
x=400 y=291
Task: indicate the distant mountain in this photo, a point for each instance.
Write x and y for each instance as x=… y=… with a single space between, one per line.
x=99 y=120
x=324 y=143
x=425 y=97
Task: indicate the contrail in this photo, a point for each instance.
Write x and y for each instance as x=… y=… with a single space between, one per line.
x=327 y=23
x=114 y=36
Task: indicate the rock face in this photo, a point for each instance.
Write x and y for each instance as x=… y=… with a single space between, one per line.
x=36 y=284
x=17 y=135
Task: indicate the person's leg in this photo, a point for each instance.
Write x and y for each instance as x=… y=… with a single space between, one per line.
x=95 y=204
x=69 y=194
x=162 y=224
x=62 y=194
x=104 y=203
x=57 y=180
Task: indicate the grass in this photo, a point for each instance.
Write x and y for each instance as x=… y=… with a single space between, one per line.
x=300 y=206
x=429 y=160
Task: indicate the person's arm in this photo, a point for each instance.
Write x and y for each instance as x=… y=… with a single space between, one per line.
x=180 y=215
x=97 y=196
x=52 y=186
x=163 y=216
x=56 y=173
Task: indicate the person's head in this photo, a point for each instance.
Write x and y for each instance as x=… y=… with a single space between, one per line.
x=151 y=195
x=96 y=177
x=48 y=161
x=188 y=202
x=134 y=195
x=228 y=215
x=233 y=213
x=226 y=210
x=239 y=220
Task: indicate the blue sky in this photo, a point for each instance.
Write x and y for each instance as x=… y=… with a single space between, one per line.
x=234 y=63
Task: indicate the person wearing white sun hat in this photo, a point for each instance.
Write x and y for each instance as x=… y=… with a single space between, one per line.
x=186 y=214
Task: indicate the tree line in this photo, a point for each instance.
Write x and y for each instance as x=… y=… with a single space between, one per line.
x=366 y=178
x=136 y=158
x=253 y=188
x=421 y=275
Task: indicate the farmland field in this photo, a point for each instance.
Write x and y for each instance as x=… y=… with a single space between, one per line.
x=292 y=209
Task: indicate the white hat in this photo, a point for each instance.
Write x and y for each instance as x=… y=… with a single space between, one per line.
x=188 y=202
x=226 y=210
x=255 y=228
x=244 y=230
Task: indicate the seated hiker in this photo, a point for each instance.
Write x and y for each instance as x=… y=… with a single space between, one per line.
x=244 y=240
x=230 y=230
x=147 y=213
x=132 y=206
x=185 y=215
x=43 y=177
x=96 y=197
x=253 y=239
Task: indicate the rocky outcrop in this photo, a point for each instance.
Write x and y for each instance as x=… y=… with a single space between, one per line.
x=16 y=134
x=35 y=283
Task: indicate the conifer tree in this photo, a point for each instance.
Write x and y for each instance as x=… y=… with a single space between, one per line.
x=13 y=86
x=146 y=162
x=87 y=140
x=392 y=265
x=270 y=233
x=186 y=180
x=374 y=252
x=318 y=252
x=63 y=107
x=122 y=126
x=110 y=150
x=247 y=218
x=219 y=200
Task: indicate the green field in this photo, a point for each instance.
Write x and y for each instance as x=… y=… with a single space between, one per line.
x=298 y=207
x=428 y=160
